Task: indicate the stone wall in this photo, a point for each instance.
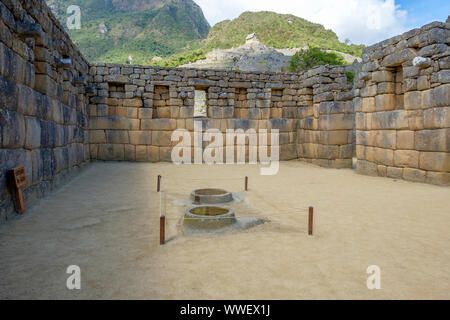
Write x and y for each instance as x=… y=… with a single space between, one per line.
x=402 y=104
x=43 y=114
x=312 y=110
x=57 y=111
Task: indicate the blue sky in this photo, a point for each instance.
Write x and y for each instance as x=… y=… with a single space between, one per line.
x=421 y=12
x=360 y=21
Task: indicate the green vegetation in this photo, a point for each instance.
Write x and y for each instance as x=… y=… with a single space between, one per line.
x=149 y=28
x=175 y=32
x=276 y=30
x=350 y=77
x=309 y=58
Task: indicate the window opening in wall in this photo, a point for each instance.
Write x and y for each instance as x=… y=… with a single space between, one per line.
x=399 y=88
x=161 y=102
x=276 y=104
x=241 y=103
x=200 y=103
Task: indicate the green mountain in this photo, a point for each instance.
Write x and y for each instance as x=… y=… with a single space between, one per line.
x=276 y=30
x=175 y=32
x=273 y=29
x=111 y=30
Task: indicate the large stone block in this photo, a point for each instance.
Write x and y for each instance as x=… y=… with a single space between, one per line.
x=385 y=102
x=132 y=102
x=383 y=76
x=111 y=152
x=162 y=138
x=281 y=124
x=117 y=136
x=45 y=85
x=438 y=178
x=114 y=123
x=97 y=136
x=405 y=140
x=432 y=140
x=394 y=172
x=406 y=158
x=398 y=57
x=390 y=120
x=8 y=94
x=159 y=124
x=336 y=122
x=142 y=153
x=435 y=161
x=33 y=133
x=367 y=168
x=339 y=137
x=442 y=95
x=386 y=139
x=414 y=175
x=332 y=107
x=288 y=152
x=12 y=125
x=140 y=137
x=413 y=100
x=368 y=104
x=117 y=78
x=436 y=118
x=384 y=156
x=153 y=153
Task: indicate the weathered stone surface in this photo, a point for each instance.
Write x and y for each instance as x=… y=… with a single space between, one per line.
x=367 y=168
x=442 y=95
x=414 y=175
x=113 y=122
x=390 y=120
x=405 y=140
x=438 y=178
x=406 y=158
x=12 y=125
x=435 y=161
x=111 y=152
x=140 y=137
x=436 y=118
x=33 y=133
x=158 y=124
x=117 y=136
x=432 y=140
x=398 y=57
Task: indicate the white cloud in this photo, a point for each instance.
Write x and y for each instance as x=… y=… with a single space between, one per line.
x=361 y=21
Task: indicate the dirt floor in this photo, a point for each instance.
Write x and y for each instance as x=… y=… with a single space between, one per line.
x=106 y=221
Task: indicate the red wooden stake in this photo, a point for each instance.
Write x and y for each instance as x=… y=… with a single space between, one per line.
x=162 y=230
x=158 y=188
x=310 y=221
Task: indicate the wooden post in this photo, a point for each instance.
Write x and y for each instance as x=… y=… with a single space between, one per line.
x=246 y=183
x=18 y=180
x=310 y=221
x=162 y=230
x=158 y=187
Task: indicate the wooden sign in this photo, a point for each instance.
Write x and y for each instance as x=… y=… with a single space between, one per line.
x=19 y=180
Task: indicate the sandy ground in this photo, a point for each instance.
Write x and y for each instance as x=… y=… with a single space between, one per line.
x=106 y=221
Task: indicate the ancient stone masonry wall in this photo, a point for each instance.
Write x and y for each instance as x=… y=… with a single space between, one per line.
x=136 y=122
x=402 y=104
x=43 y=114
x=325 y=127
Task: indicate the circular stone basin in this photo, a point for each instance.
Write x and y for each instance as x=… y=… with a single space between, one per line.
x=209 y=217
x=211 y=196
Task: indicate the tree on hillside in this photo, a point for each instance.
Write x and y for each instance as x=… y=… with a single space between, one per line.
x=308 y=58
